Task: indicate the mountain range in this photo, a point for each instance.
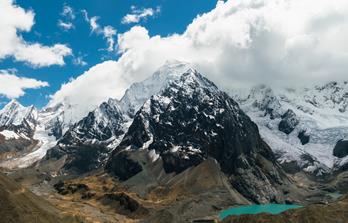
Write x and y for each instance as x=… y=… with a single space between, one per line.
x=176 y=122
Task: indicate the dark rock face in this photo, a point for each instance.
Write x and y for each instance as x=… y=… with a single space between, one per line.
x=341 y=149
x=79 y=159
x=304 y=137
x=123 y=166
x=86 y=143
x=56 y=129
x=16 y=145
x=289 y=122
x=124 y=200
x=191 y=120
x=65 y=189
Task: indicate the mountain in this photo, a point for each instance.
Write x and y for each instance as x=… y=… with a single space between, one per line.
x=302 y=125
x=27 y=133
x=17 y=127
x=189 y=121
x=107 y=124
x=19 y=119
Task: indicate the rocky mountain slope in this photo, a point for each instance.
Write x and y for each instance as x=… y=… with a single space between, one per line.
x=19 y=205
x=191 y=120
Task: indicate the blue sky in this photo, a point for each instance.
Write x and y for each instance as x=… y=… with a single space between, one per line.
x=173 y=17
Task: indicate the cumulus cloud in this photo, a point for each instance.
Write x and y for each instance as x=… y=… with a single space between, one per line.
x=137 y=15
x=12 y=86
x=108 y=32
x=239 y=43
x=76 y=94
x=13 y=20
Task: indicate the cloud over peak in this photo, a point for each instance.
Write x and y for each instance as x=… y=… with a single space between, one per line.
x=238 y=43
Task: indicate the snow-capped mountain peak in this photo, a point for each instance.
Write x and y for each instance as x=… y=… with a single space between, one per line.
x=139 y=92
x=15 y=114
x=107 y=123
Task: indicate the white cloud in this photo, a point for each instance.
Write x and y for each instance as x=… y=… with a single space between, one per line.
x=137 y=15
x=94 y=25
x=99 y=80
x=239 y=43
x=79 y=61
x=13 y=20
x=65 y=25
x=68 y=14
x=12 y=86
x=108 y=32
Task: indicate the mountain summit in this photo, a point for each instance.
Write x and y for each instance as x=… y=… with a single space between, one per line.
x=187 y=122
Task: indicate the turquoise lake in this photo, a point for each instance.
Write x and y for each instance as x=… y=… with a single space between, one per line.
x=256 y=209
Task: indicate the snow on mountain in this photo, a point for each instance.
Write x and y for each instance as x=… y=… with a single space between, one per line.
x=107 y=123
x=138 y=93
x=318 y=121
x=9 y=134
x=41 y=127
